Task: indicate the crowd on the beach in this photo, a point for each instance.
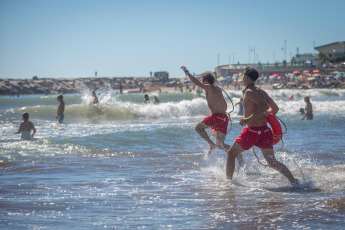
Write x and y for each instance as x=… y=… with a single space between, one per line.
x=297 y=79
x=308 y=79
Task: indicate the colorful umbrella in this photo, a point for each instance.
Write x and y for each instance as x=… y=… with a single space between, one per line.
x=340 y=74
x=296 y=72
x=311 y=78
x=316 y=71
x=186 y=82
x=300 y=78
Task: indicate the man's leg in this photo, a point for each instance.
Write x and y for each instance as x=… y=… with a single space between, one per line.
x=220 y=138
x=200 y=129
x=232 y=153
x=273 y=163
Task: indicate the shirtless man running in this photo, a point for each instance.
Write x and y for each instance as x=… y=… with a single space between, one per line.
x=256 y=103
x=219 y=119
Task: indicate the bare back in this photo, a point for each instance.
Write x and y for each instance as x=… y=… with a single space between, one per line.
x=26 y=126
x=215 y=100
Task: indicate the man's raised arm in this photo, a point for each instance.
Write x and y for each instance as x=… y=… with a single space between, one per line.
x=193 y=79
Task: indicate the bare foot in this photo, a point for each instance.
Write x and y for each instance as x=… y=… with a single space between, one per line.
x=212 y=146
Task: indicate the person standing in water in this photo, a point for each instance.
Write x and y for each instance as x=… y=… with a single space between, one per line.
x=256 y=104
x=146 y=99
x=218 y=120
x=25 y=128
x=156 y=102
x=95 y=98
x=61 y=109
x=308 y=109
x=240 y=105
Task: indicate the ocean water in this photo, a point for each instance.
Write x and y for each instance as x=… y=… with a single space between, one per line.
x=124 y=165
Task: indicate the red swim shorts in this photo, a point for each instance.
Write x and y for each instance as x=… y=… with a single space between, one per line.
x=260 y=136
x=217 y=121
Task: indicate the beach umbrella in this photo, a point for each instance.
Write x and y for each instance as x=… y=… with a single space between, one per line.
x=296 y=72
x=222 y=79
x=311 y=78
x=340 y=74
x=330 y=75
x=275 y=75
x=306 y=71
x=186 y=82
x=235 y=77
x=316 y=74
x=316 y=71
x=300 y=78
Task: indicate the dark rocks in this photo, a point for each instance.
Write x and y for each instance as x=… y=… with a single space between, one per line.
x=66 y=85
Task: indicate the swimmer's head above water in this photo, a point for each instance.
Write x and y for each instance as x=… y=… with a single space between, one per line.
x=25 y=116
x=306 y=99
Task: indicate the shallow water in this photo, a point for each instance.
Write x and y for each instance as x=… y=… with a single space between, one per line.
x=123 y=164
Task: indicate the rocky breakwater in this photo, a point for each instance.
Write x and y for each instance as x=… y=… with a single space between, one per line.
x=70 y=85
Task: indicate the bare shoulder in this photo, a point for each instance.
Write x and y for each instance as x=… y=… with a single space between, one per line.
x=249 y=94
x=209 y=88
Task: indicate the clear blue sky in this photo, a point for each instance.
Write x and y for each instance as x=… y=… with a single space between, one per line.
x=75 y=38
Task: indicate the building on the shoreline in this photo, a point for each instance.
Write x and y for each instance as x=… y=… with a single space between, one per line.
x=162 y=76
x=306 y=57
x=332 y=50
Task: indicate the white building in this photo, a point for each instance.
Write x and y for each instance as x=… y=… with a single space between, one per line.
x=333 y=49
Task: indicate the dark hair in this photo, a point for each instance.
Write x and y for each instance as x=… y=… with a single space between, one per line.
x=208 y=76
x=251 y=72
x=60 y=97
x=25 y=116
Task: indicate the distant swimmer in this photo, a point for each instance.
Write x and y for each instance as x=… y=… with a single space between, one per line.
x=301 y=111
x=61 y=109
x=240 y=105
x=12 y=91
x=291 y=97
x=218 y=120
x=95 y=98
x=146 y=99
x=25 y=128
x=308 y=109
x=256 y=103
x=156 y=102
